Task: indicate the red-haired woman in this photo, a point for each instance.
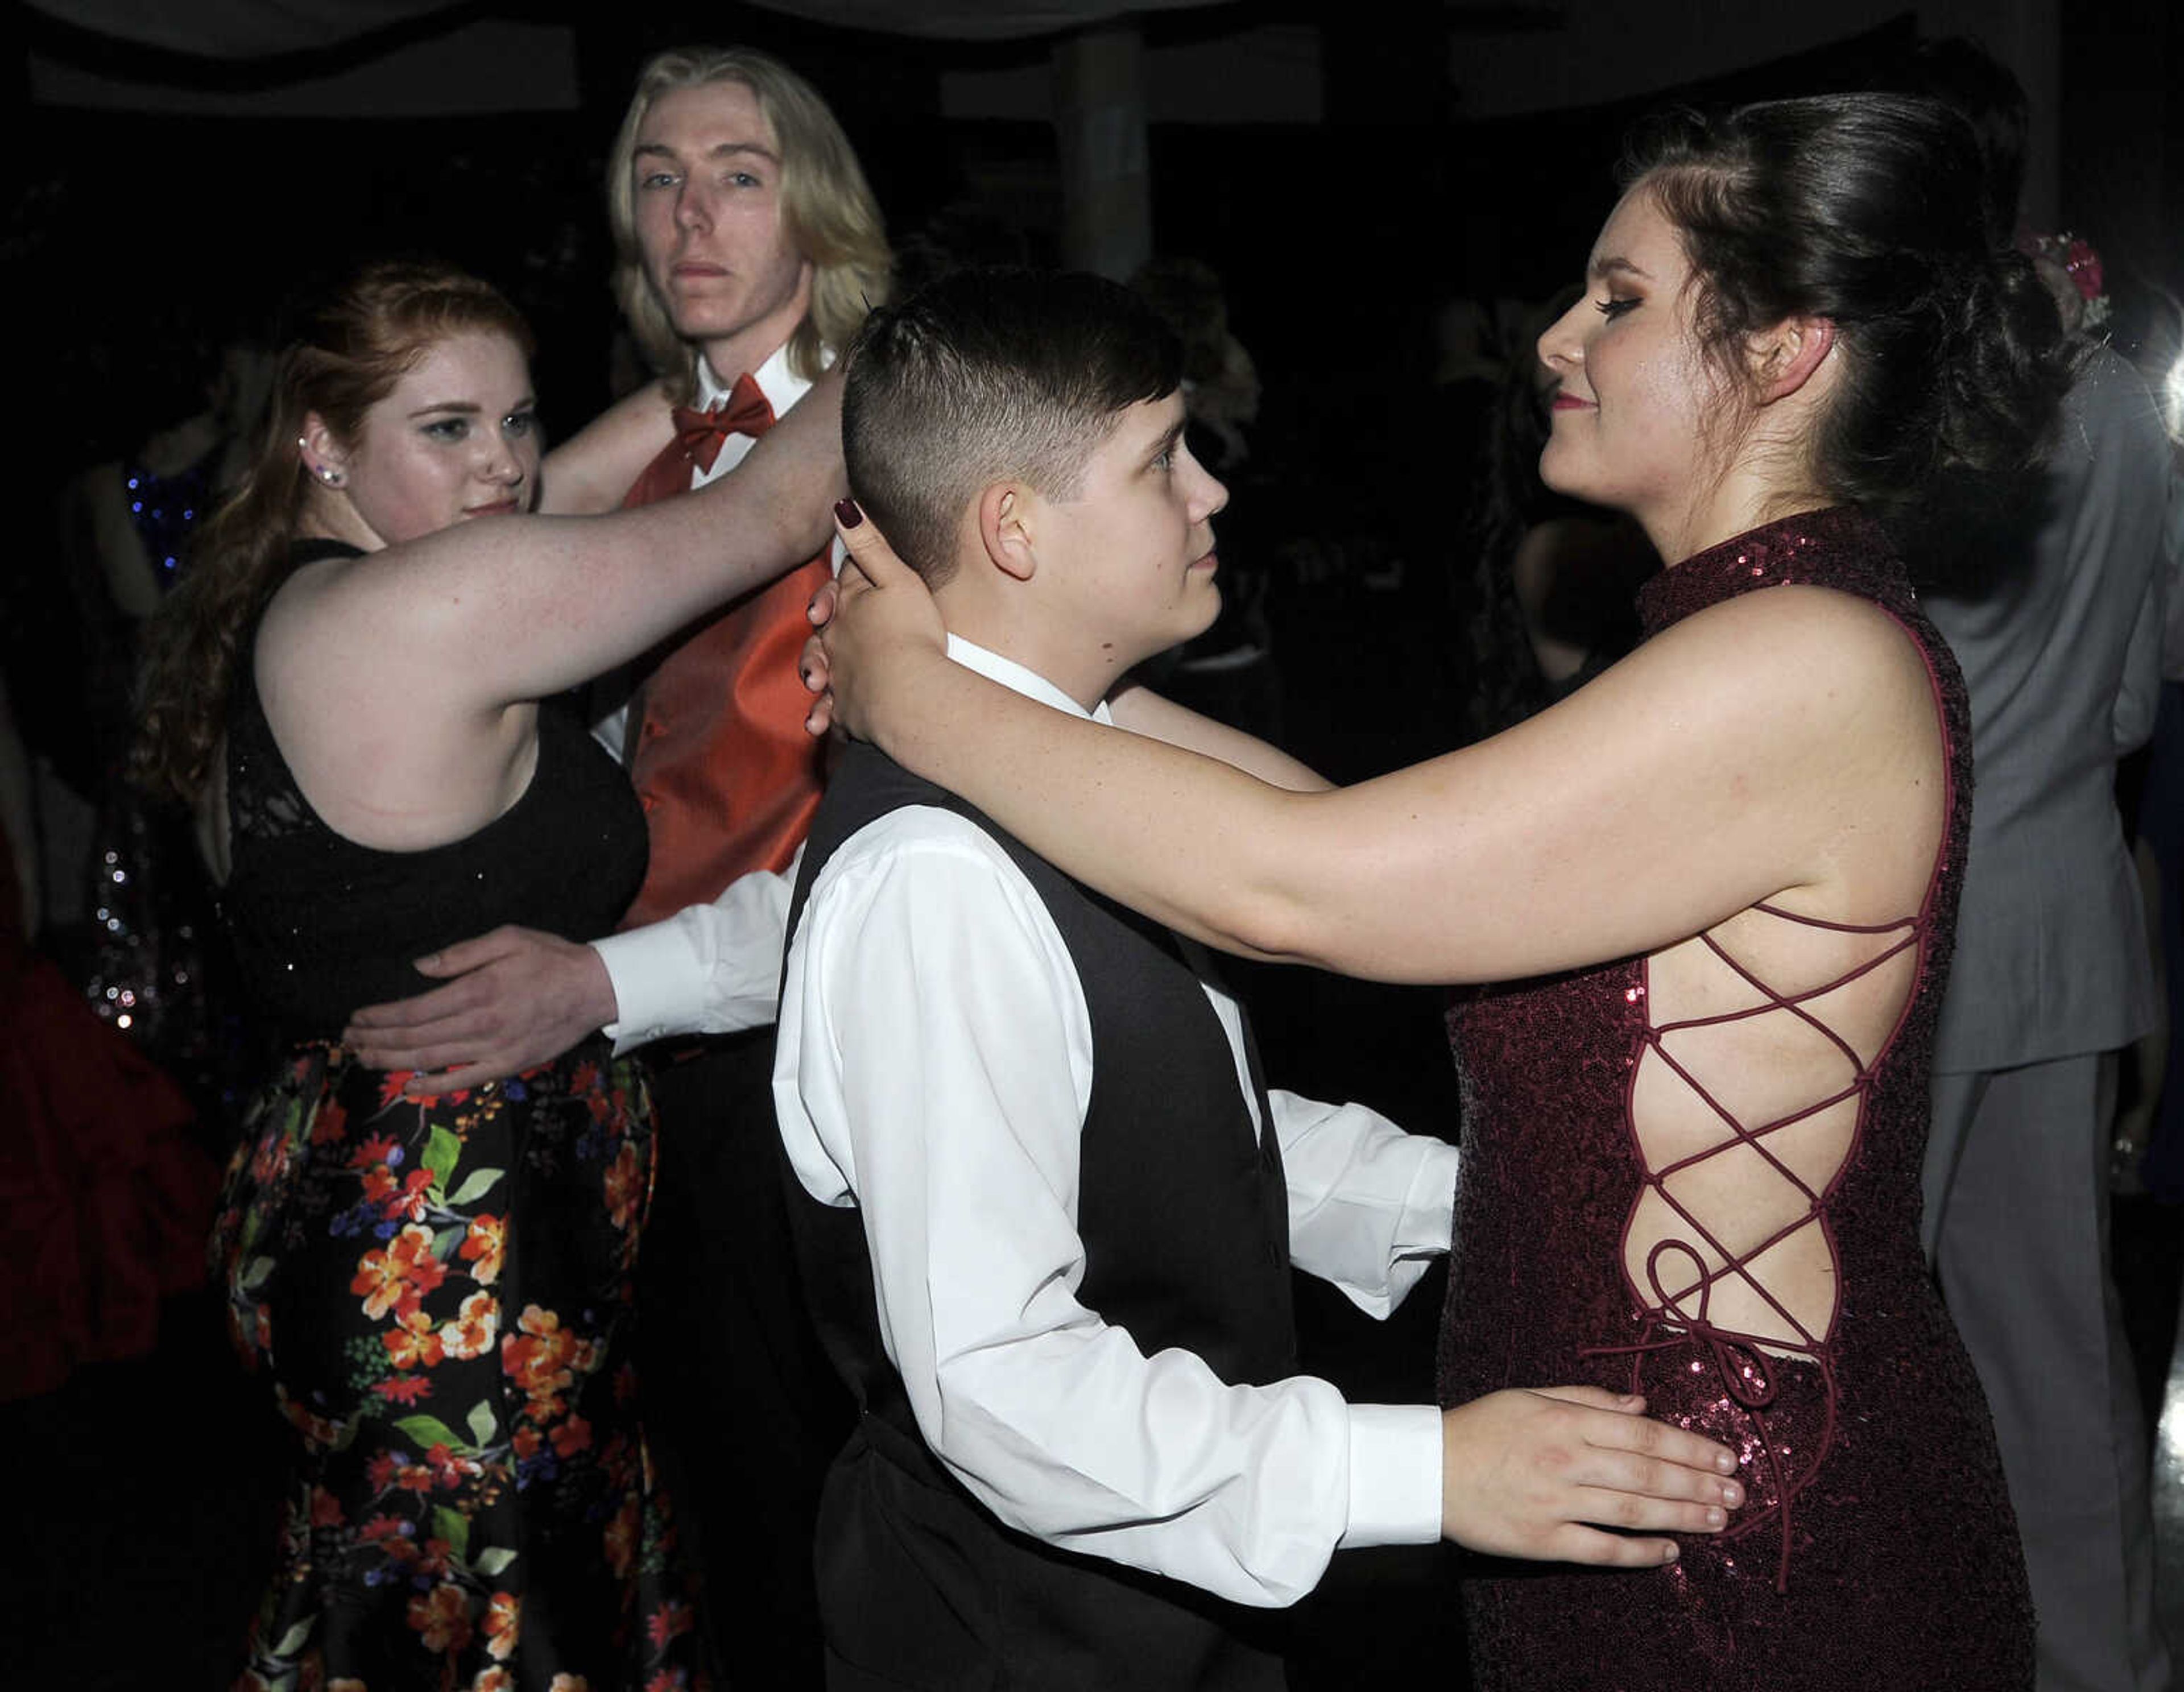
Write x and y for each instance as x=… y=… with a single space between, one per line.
x=349 y=690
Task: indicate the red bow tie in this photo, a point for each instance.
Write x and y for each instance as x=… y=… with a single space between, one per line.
x=743 y=412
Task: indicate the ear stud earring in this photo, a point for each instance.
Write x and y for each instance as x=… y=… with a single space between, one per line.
x=331 y=477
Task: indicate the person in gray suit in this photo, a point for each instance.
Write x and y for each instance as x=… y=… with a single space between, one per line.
x=2061 y=650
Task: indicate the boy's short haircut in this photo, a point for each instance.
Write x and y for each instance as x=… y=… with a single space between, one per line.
x=989 y=375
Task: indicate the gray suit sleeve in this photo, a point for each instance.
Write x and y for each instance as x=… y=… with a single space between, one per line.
x=2172 y=578
x=2138 y=693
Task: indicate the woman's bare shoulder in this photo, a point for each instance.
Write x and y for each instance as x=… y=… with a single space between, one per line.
x=305 y=612
x=1806 y=645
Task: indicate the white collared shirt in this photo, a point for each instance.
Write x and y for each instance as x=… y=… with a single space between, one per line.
x=782 y=387
x=933 y=1070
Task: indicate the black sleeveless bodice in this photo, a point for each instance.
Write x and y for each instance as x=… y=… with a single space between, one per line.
x=323 y=925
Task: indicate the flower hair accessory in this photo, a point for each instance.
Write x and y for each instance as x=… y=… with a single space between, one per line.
x=2071 y=267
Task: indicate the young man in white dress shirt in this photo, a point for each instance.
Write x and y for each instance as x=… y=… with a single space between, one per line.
x=1045 y=1205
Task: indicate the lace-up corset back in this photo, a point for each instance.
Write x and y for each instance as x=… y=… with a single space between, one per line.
x=1756 y=1049
x=1752 y=1078
x=1761 y=1047
x=323 y=925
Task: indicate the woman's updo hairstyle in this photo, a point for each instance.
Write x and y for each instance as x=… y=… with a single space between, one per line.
x=354 y=347
x=1867 y=209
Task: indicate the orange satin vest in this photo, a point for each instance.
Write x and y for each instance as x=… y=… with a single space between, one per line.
x=715 y=746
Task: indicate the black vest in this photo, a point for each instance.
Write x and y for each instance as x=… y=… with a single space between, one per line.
x=1185 y=1221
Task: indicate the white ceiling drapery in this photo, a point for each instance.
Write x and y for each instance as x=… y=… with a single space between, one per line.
x=258 y=29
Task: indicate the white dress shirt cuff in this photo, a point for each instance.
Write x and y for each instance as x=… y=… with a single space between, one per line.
x=1395 y=1475
x=1428 y=1224
x=709 y=969
x=658 y=983
x=1369 y=1205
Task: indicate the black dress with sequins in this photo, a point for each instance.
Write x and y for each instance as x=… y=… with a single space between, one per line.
x=440 y=1289
x=1877 y=1548
x=159 y=973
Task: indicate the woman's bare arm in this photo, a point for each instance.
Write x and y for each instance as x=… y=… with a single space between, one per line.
x=133 y=584
x=491 y=612
x=1781 y=743
x=1142 y=711
x=593 y=470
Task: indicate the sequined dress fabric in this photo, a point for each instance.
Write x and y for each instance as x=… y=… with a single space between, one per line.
x=1877 y=1548
x=158 y=970
x=440 y=1289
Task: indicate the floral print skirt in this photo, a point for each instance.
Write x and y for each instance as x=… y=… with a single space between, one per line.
x=440 y=1289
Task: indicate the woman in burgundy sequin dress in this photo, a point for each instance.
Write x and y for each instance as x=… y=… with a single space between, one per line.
x=1719 y=882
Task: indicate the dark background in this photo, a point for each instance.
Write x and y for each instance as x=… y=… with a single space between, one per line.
x=133 y=238
x=135 y=242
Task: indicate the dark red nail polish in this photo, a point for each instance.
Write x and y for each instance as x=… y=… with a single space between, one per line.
x=847 y=513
